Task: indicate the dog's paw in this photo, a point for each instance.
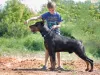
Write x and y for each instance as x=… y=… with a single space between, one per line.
x=51 y=69
x=87 y=69
x=90 y=70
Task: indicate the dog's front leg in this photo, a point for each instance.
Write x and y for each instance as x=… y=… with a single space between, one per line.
x=52 y=60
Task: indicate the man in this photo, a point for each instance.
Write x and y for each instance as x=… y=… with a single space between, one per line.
x=53 y=20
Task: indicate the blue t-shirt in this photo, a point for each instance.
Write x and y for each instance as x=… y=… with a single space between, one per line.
x=52 y=19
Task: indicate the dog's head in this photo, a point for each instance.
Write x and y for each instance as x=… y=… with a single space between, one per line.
x=37 y=26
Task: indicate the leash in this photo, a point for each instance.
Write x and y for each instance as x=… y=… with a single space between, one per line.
x=47 y=33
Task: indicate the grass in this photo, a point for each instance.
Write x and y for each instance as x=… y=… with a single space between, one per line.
x=67 y=67
x=18 y=46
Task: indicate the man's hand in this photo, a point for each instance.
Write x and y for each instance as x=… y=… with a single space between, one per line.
x=55 y=26
x=26 y=22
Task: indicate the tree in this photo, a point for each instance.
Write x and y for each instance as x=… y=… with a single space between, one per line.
x=12 y=20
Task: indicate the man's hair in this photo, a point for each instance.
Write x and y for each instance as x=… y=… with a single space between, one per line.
x=51 y=4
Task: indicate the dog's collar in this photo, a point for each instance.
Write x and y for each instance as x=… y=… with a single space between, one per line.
x=46 y=34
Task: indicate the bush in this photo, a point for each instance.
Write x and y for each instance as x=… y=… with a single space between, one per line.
x=28 y=44
x=16 y=29
x=66 y=30
x=3 y=28
x=12 y=19
x=93 y=47
x=34 y=42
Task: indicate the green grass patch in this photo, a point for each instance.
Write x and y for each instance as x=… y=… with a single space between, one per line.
x=67 y=67
x=15 y=46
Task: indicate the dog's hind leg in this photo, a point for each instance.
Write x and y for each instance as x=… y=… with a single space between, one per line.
x=87 y=69
x=86 y=59
x=91 y=63
x=90 y=60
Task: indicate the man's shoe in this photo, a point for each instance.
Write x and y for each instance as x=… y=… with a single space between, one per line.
x=44 y=68
x=60 y=68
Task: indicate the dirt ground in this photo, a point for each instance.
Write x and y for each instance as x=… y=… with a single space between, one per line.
x=32 y=66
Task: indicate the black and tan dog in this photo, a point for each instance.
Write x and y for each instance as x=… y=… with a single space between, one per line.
x=57 y=43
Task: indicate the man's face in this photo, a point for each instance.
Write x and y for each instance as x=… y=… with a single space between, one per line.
x=51 y=10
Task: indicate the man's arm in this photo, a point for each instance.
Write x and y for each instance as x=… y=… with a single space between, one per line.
x=33 y=18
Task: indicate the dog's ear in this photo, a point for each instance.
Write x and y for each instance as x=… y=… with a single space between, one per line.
x=42 y=21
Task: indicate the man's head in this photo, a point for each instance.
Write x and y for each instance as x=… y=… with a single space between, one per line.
x=51 y=7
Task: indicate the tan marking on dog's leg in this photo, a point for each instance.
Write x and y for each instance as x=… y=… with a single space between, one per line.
x=91 y=69
x=87 y=65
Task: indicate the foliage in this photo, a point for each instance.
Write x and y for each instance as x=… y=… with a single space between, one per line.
x=82 y=20
x=28 y=44
x=12 y=19
x=34 y=42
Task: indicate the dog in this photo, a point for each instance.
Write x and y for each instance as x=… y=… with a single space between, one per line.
x=58 y=43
